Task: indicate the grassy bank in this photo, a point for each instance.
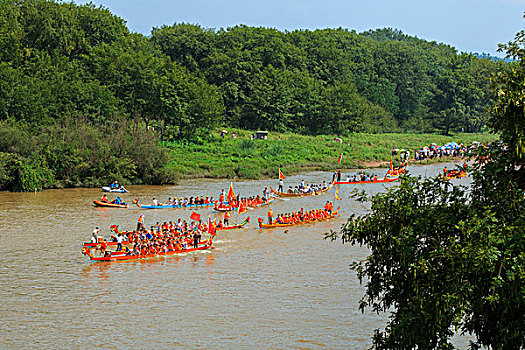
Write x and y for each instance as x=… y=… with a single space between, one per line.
x=253 y=159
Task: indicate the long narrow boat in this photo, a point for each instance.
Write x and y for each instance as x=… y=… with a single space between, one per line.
x=334 y=214
x=224 y=208
x=99 y=203
x=114 y=190
x=122 y=255
x=285 y=194
x=454 y=175
x=367 y=182
x=397 y=172
x=170 y=206
x=394 y=172
x=232 y=227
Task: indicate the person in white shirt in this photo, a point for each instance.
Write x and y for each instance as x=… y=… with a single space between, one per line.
x=155 y=201
x=94 y=238
x=120 y=239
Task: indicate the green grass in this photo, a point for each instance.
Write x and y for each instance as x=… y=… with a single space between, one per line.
x=254 y=159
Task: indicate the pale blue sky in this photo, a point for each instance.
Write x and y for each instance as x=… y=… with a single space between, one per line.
x=468 y=25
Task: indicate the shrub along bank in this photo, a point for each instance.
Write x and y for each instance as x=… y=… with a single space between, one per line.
x=83 y=154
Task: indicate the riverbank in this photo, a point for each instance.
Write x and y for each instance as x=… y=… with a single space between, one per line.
x=243 y=158
x=91 y=161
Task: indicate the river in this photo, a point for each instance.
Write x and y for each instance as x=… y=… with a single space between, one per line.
x=256 y=289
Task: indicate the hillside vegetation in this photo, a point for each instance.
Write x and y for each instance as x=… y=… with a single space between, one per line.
x=84 y=101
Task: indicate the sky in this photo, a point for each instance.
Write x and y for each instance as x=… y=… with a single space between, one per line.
x=468 y=25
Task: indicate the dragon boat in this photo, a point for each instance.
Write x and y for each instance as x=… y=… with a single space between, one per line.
x=170 y=206
x=109 y=254
x=331 y=216
x=107 y=250
x=233 y=227
x=228 y=207
x=315 y=193
x=454 y=174
x=396 y=171
x=99 y=203
x=367 y=182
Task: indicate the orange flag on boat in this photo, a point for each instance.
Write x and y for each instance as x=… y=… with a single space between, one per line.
x=231 y=193
x=212 y=229
x=242 y=208
x=281 y=176
x=195 y=216
x=340 y=158
x=210 y=225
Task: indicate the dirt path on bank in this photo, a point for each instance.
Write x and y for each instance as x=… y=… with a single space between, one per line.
x=373 y=163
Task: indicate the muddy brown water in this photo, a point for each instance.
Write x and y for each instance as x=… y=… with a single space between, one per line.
x=277 y=288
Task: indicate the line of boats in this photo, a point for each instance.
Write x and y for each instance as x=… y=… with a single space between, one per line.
x=113 y=250
x=103 y=250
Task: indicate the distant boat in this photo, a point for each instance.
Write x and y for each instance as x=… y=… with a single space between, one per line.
x=114 y=190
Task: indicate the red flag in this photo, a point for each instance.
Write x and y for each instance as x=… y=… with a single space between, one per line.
x=210 y=227
x=231 y=194
x=242 y=208
x=195 y=216
x=340 y=159
x=281 y=176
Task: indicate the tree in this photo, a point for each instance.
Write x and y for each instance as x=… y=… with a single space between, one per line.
x=443 y=257
x=457 y=99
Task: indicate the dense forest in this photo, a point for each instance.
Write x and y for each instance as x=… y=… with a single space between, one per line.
x=84 y=100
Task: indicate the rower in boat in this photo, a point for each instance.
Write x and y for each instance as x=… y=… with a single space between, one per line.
x=104 y=198
x=289 y=219
x=118 y=201
x=159 y=240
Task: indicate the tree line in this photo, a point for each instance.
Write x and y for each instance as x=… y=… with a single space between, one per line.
x=73 y=71
x=446 y=258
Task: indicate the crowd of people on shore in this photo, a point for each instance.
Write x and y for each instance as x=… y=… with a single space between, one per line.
x=160 y=238
x=450 y=149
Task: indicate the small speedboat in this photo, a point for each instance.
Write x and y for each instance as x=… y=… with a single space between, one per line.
x=121 y=189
